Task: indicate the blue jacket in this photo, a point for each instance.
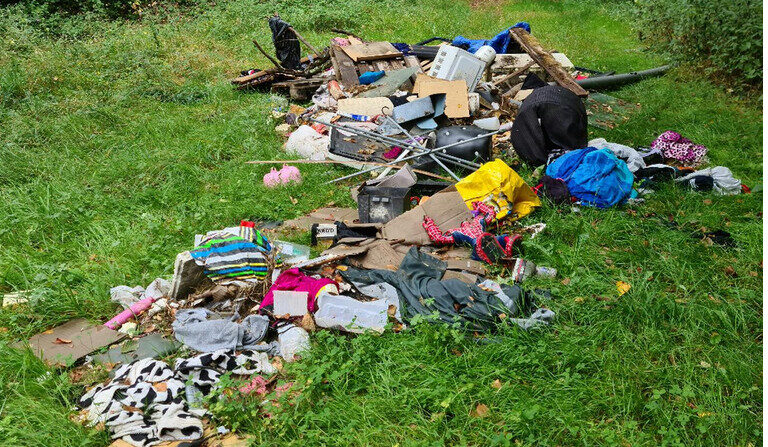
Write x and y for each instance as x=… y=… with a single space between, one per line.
x=594 y=176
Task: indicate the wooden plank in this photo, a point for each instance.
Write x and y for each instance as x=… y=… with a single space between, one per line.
x=371 y=51
x=545 y=60
x=345 y=69
x=412 y=61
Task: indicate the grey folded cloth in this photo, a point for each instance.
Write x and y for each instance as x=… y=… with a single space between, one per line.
x=196 y=329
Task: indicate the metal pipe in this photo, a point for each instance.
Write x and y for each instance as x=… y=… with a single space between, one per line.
x=388 y=140
x=410 y=157
x=599 y=82
x=432 y=156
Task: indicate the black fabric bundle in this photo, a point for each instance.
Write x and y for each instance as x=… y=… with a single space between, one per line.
x=286 y=44
x=551 y=117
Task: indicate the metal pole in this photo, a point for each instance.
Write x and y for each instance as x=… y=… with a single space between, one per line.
x=410 y=157
x=432 y=156
x=388 y=140
x=393 y=141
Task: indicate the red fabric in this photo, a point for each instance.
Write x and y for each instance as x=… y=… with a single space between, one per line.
x=473 y=228
x=294 y=280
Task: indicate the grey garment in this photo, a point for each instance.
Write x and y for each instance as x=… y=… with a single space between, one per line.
x=422 y=292
x=196 y=329
x=539 y=317
x=151 y=346
x=633 y=158
x=723 y=181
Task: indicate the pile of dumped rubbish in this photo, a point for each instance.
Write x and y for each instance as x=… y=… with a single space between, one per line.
x=426 y=126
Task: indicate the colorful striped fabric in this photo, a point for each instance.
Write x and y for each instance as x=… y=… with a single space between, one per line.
x=226 y=257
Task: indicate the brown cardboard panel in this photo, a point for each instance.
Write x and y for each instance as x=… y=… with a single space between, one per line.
x=73 y=340
x=446 y=207
x=456 y=98
x=468 y=265
x=461 y=276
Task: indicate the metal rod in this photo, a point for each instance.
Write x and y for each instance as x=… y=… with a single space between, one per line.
x=385 y=139
x=432 y=156
x=410 y=157
x=448 y=157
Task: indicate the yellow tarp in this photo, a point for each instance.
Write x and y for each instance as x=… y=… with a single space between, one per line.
x=498 y=185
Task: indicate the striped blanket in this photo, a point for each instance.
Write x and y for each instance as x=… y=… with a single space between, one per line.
x=225 y=257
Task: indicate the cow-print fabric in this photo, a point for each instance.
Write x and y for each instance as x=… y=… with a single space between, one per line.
x=145 y=403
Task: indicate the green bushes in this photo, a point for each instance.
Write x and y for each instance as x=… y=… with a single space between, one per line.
x=724 y=36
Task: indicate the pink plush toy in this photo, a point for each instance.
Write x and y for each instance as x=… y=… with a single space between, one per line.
x=272 y=178
x=284 y=176
x=290 y=174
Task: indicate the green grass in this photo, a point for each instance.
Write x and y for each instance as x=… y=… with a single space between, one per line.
x=121 y=140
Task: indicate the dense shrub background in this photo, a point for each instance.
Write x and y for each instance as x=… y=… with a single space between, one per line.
x=725 y=36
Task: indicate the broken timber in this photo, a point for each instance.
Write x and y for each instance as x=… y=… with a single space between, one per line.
x=531 y=45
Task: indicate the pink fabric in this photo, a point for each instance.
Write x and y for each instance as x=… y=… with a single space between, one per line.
x=258 y=385
x=675 y=146
x=272 y=178
x=290 y=174
x=136 y=309
x=392 y=153
x=294 y=280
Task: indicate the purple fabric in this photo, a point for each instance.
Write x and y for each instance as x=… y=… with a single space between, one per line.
x=675 y=146
x=294 y=280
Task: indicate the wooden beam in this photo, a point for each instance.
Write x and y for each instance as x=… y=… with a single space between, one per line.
x=531 y=45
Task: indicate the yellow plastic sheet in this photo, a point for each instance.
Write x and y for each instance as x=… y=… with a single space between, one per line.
x=498 y=185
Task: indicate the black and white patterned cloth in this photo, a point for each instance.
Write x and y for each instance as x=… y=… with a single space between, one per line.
x=145 y=403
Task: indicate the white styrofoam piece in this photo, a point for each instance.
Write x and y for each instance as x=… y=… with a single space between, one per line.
x=290 y=303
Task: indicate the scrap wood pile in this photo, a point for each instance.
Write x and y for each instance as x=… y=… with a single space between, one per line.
x=437 y=214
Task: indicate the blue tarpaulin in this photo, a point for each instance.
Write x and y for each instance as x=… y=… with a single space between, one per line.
x=500 y=42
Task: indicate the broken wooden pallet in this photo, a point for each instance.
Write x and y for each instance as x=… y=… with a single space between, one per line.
x=348 y=72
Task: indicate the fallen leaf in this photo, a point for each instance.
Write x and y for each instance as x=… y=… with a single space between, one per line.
x=753 y=273
x=565 y=281
x=707 y=201
x=160 y=386
x=62 y=341
x=496 y=384
x=730 y=272
x=481 y=411
x=293 y=201
x=623 y=287
x=578 y=300
x=705 y=364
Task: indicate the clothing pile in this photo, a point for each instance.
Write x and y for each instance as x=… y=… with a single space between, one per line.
x=147 y=402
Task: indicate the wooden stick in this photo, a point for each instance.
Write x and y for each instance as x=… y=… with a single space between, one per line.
x=309 y=45
x=319 y=162
x=271 y=59
x=341 y=31
x=516 y=73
